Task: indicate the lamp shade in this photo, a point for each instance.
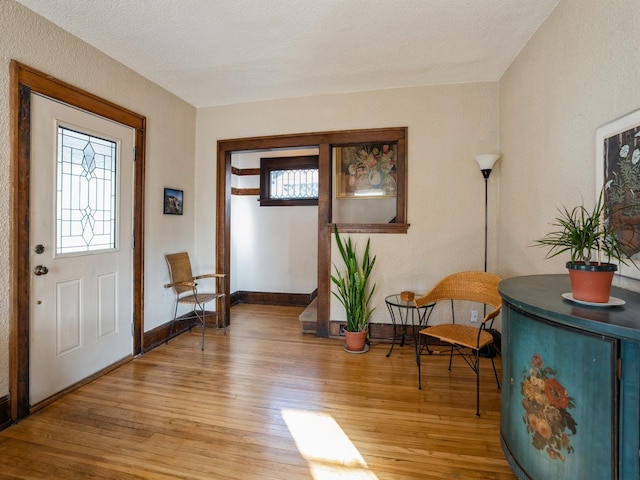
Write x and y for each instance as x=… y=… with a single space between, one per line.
x=487 y=160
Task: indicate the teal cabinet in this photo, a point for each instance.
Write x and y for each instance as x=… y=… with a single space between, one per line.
x=570 y=396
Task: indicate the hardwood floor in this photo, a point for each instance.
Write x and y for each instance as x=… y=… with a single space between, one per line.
x=265 y=402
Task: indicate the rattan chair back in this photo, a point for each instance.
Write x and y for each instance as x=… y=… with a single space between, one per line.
x=180 y=271
x=481 y=287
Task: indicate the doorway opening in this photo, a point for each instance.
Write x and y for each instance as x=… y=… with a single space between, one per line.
x=273 y=245
x=325 y=142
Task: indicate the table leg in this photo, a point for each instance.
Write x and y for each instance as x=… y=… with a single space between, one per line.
x=423 y=320
x=416 y=342
x=393 y=321
x=403 y=323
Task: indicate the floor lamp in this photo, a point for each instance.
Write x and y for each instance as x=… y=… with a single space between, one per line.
x=486 y=162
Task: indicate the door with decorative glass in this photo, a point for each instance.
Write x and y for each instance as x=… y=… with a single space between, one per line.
x=81 y=246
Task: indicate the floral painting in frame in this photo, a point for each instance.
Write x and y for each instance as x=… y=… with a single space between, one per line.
x=366 y=171
x=618 y=170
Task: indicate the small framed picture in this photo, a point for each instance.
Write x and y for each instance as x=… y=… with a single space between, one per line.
x=172 y=201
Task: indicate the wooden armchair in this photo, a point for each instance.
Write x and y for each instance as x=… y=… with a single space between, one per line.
x=467 y=340
x=186 y=289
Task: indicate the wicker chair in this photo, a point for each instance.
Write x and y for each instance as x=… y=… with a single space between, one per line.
x=467 y=340
x=186 y=289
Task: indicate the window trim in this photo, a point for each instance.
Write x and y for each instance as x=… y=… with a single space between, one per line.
x=269 y=164
x=397 y=135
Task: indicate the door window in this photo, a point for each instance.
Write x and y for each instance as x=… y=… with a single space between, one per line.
x=85 y=193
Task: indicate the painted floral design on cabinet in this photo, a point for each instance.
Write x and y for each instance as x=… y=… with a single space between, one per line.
x=546 y=406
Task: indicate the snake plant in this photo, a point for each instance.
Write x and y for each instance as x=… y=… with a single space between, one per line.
x=353 y=292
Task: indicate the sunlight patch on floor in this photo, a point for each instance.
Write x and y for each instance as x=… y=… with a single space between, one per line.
x=326 y=447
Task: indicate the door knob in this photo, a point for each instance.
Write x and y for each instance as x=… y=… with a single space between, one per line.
x=40 y=270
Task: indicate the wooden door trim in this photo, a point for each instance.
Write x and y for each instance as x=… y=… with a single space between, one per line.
x=24 y=81
x=223 y=208
x=324 y=142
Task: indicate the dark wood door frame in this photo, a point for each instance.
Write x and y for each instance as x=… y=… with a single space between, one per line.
x=324 y=141
x=24 y=81
x=223 y=207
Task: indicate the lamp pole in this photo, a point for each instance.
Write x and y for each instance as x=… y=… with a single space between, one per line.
x=485 y=174
x=486 y=162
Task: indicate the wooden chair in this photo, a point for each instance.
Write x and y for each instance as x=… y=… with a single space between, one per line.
x=186 y=289
x=467 y=340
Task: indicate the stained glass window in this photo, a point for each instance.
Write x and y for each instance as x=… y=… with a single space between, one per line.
x=294 y=184
x=85 y=193
x=289 y=181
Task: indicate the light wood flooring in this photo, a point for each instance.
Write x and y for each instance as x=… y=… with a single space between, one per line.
x=265 y=402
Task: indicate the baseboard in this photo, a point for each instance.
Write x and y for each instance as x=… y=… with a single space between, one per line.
x=5 y=412
x=310 y=327
x=271 y=298
x=378 y=332
x=165 y=332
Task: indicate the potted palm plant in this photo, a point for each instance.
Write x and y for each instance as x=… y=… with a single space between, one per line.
x=592 y=245
x=353 y=291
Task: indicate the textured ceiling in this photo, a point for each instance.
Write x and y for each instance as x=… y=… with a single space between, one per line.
x=216 y=52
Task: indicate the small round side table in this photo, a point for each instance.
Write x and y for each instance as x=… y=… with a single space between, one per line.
x=401 y=312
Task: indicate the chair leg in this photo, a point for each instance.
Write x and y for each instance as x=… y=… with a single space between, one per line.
x=495 y=372
x=477 y=369
x=202 y=318
x=173 y=322
x=450 y=356
x=417 y=347
x=224 y=314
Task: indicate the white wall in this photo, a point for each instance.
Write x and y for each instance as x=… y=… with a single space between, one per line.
x=273 y=249
x=37 y=43
x=579 y=71
x=448 y=125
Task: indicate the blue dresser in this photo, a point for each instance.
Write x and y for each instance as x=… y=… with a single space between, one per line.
x=571 y=382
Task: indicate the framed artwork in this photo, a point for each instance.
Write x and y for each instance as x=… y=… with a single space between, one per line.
x=172 y=201
x=618 y=169
x=366 y=170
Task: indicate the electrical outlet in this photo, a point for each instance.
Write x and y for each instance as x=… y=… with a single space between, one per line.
x=474 y=316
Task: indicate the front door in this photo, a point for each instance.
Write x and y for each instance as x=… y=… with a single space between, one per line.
x=80 y=243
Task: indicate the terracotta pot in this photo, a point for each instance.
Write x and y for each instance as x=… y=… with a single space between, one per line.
x=355 y=340
x=591 y=283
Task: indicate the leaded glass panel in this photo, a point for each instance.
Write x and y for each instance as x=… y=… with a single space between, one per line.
x=293 y=184
x=85 y=193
